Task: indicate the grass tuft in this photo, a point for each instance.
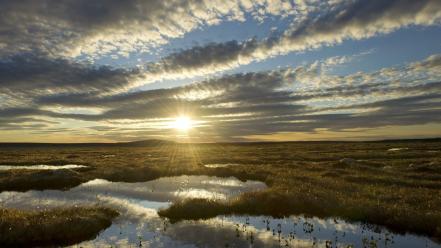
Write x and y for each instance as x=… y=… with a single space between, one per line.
x=56 y=227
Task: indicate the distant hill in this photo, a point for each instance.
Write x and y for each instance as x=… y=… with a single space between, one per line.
x=151 y=142
x=139 y=143
x=410 y=140
x=156 y=142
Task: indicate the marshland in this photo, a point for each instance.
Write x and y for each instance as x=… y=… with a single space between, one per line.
x=289 y=194
x=220 y=123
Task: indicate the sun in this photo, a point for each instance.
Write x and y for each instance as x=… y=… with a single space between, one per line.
x=183 y=123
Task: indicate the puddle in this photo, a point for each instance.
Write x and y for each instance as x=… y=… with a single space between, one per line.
x=139 y=224
x=247 y=231
x=163 y=190
x=219 y=165
x=397 y=149
x=41 y=167
x=108 y=156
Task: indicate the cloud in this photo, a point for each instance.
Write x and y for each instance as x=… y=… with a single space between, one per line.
x=94 y=28
x=256 y=103
x=35 y=35
x=72 y=28
x=46 y=86
x=326 y=26
x=27 y=76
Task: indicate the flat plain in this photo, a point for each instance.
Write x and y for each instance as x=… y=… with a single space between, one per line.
x=392 y=184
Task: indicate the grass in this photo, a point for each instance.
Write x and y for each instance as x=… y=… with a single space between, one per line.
x=397 y=189
x=57 y=227
x=23 y=180
x=272 y=203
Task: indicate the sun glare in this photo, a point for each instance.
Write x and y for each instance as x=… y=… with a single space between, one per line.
x=183 y=123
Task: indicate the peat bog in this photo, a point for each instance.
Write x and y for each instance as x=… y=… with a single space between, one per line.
x=334 y=194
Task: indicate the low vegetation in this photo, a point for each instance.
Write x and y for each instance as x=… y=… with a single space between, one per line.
x=357 y=181
x=52 y=227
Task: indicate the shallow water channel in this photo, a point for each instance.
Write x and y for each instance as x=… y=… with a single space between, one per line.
x=140 y=226
x=41 y=167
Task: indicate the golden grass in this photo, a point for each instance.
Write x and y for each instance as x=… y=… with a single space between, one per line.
x=400 y=189
x=52 y=227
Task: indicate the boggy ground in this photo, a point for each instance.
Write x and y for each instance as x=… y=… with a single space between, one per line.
x=52 y=227
x=357 y=181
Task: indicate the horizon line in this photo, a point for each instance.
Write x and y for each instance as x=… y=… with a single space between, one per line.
x=223 y=142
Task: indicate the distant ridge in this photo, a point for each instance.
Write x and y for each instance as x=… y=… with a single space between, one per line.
x=138 y=143
x=156 y=142
x=338 y=141
x=146 y=142
x=410 y=140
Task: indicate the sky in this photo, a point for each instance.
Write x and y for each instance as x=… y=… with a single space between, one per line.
x=219 y=70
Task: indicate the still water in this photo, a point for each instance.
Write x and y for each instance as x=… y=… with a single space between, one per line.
x=41 y=167
x=140 y=226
